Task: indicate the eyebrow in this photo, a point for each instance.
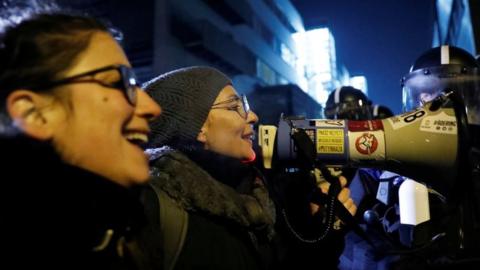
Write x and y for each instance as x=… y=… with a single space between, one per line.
x=231 y=98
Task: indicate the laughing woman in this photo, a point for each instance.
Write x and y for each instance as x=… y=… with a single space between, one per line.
x=72 y=117
x=222 y=217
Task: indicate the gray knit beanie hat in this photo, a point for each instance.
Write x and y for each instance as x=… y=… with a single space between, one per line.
x=186 y=96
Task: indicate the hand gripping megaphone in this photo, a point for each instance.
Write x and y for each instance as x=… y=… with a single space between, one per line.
x=422 y=144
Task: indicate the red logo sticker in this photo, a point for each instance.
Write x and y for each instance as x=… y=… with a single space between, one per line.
x=366 y=144
x=368 y=125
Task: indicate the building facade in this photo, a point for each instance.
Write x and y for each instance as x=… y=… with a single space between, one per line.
x=457 y=22
x=250 y=40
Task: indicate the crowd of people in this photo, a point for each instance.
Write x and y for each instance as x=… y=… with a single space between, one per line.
x=101 y=172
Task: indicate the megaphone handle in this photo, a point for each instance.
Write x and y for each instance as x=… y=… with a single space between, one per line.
x=305 y=145
x=333 y=180
x=307 y=149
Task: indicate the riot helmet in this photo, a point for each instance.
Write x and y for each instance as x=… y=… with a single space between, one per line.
x=349 y=103
x=381 y=112
x=443 y=68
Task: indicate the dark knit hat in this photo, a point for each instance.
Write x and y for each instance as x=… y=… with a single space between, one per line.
x=186 y=96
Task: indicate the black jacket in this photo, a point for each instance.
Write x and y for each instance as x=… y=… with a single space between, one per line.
x=56 y=216
x=222 y=232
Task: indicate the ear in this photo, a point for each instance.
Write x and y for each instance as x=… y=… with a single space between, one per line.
x=24 y=107
x=202 y=135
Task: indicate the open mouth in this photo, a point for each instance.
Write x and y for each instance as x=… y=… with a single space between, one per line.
x=249 y=137
x=137 y=138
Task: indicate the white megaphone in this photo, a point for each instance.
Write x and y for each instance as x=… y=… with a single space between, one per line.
x=422 y=144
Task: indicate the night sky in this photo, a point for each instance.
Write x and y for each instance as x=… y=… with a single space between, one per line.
x=379 y=39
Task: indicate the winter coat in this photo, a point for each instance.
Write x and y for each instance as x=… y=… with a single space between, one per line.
x=232 y=220
x=57 y=216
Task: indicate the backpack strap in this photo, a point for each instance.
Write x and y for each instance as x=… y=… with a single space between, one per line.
x=173 y=228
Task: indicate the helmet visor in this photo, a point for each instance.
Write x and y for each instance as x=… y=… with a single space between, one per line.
x=349 y=110
x=424 y=85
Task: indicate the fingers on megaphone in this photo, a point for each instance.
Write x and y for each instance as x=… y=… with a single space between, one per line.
x=343 y=181
x=314 y=208
x=350 y=205
x=322 y=183
x=335 y=172
x=344 y=194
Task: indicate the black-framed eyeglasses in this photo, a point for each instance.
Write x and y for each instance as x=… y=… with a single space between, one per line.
x=238 y=104
x=127 y=84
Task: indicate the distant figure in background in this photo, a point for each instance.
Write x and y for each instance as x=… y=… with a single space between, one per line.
x=349 y=103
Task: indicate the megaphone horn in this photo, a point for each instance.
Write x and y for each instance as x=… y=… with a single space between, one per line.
x=421 y=144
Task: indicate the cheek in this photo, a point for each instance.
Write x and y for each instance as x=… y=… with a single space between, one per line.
x=109 y=108
x=227 y=129
x=90 y=132
x=96 y=124
x=226 y=137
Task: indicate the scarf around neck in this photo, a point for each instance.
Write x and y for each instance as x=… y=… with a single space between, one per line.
x=245 y=202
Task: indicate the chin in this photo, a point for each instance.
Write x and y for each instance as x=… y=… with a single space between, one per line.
x=142 y=178
x=250 y=157
x=242 y=154
x=138 y=178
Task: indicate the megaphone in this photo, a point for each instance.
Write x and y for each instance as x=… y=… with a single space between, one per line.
x=422 y=144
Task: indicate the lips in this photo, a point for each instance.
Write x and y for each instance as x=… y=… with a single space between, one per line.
x=136 y=137
x=249 y=136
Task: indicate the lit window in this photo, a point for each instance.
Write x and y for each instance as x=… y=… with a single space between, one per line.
x=316 y=63
x=265 y=73
x=359 y=82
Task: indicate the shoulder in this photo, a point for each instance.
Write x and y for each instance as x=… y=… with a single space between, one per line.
x=164 y=156
x=176 y=174
x=166 y=162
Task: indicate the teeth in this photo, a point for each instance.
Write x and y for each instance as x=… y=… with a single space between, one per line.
x=249 y=137
x=136 y=136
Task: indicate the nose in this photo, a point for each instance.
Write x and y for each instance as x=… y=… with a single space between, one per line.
x=252 y=117
x=146 y=106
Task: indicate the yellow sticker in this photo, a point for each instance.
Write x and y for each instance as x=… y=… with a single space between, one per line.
x=330 y=141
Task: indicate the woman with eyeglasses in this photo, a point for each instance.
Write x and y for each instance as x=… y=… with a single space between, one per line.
x=210 y=207
x=72 y=121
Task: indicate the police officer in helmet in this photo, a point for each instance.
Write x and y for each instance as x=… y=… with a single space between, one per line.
x=443 y=68
x=435 y=71
x=349 y=103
